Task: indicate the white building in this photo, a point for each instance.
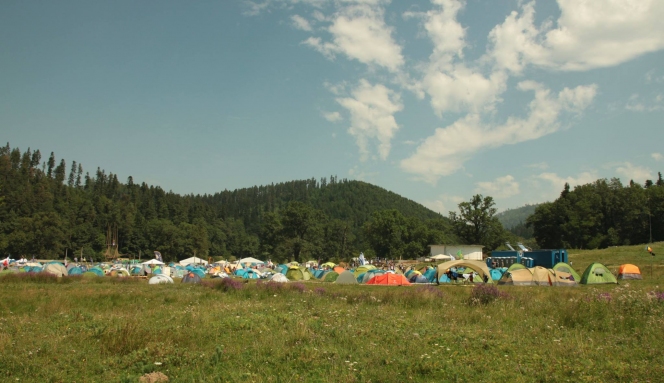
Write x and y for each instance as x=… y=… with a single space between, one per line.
x=473 y=252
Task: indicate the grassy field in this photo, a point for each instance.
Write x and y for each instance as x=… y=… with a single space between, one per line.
x=117 y=330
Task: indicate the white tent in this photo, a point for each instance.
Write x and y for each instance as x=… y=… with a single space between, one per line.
x=441 y=256
x=195 y=260
x=153 y=262
x=244 y=261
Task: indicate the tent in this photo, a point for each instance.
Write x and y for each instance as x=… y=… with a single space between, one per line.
x=118 y=273
x=441 y=257
x=331 y=276
x=629 y=271
x=57 y=269
x=300 y=273
x=366 y=277
x=542 y=276
x=389 y=279
x=97 y=270
x=516 y=266
x=478 y=266
x=250 y=260
x=565 y=279
x=346 y=278
x=496 y=274
x=363 y=269
x=193 y=260
x=191 y=278
x=597 y=273
x=338 y=269
x=159 y=279
x=418 y=278
x=517 y=277
x=75 y=271
x=565 y=268
x=251 y=274
x=279 y=278
x=328 y=264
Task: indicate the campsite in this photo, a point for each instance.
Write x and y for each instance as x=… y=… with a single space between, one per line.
x=79 y=328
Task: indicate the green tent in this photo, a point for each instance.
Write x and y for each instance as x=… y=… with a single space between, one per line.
x=331 y=276
x=597 y=273
x=300 y=273
x=515 y=266
x=565 y=268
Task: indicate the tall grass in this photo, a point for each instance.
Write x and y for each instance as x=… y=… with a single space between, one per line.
x=104 y=329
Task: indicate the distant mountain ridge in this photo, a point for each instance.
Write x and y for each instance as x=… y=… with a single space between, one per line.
x=347 y=200
x=511 y=218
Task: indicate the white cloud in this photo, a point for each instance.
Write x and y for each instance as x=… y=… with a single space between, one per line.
x=255 y=8
x=359 y=32
x=632 y=172
x=501 y=187
x=539 y=165
x=301 y=23
x=559 y=182
x=372 y=109
x=446 y=151
x=637 y=104
x=657 y=156
x=460 y=89
x=589 y=34
x=333 y=116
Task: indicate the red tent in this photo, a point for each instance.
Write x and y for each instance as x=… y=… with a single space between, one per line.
x=389 y=279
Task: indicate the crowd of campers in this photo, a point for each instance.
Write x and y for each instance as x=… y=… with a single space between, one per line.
x=194 y=270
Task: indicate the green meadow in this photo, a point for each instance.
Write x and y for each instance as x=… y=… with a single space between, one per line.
x=106 y=329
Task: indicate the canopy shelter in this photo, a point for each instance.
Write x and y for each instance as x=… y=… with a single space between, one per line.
x=193 y=260
x=441 y=257
x=250 y=260
x=478 y=266
x=153 y=262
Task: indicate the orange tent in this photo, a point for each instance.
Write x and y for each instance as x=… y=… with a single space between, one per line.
x=339 y=269
x=389 y=279
x=629 y=271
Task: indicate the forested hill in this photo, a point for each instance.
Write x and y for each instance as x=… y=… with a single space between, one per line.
x=352 y=201
x=513 y=217
x=50 y=207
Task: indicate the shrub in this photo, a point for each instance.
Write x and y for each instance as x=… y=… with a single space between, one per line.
x=228 y=284
x=298 y=286
x=484 y=294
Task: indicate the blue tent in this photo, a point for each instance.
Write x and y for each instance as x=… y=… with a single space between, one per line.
x=135 y=270
x=283 y=269
x=444 y=279
x=250 y=274
x=496 y=274
x=199 y=272
x=75 y=271
x=416 y=278
x=430 y=275
x=318 y=273
x=97 y=271
x=240 y=272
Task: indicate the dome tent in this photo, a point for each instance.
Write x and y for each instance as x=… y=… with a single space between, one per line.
x=629 y=271
x=346 y=278
x=566 y=268
x=191 y=278
x=597 y=273
x=159 y=279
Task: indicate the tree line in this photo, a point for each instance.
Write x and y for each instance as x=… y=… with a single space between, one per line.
x=601 y=214
x=49 y=208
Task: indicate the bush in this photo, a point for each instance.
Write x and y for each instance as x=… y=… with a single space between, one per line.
x=483 y=294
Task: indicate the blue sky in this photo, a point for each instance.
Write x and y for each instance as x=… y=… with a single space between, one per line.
x=435 y=100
